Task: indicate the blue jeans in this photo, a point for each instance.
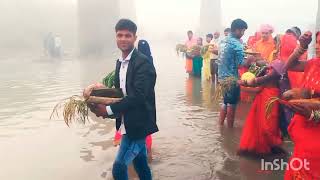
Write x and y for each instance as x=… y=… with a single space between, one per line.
x=134 y=151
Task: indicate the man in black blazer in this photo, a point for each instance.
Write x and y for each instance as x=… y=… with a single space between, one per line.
x=136 y=112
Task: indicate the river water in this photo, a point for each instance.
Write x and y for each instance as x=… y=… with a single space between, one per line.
x=189 y=145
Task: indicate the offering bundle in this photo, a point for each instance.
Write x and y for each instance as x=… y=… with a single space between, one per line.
x=224 y=86
x=271 y=102
x=76 y=107
x=181 y=48
x=194 y=51
x=253 y=72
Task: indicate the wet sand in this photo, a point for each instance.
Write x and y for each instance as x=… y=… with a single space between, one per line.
x=190 y=144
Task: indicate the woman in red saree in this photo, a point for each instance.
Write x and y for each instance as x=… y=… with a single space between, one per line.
x=260 y=135
x=304 y=132
x=288 y=44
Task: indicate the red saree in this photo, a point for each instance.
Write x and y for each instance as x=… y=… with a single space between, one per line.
x=259 y=134
x=305 y=134
x=287 y=46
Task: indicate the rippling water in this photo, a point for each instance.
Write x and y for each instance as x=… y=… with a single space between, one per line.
x=190 y=144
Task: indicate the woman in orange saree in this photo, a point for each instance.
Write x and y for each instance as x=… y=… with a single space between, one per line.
x=265 y=46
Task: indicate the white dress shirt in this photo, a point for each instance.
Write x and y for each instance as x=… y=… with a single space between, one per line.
x=123 y=79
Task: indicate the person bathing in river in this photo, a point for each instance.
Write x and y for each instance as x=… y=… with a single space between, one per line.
x=136 y=113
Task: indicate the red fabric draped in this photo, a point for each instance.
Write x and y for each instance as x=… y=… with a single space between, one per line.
x=288 y=43
x=252 y=40
x=287 y=46
x=260 y=134
x=305 y=134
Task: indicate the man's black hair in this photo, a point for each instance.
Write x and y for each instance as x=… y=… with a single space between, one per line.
x=126 y=24
x=209 y=35
x=227 y=30
x=190 y=32
x=238 y=24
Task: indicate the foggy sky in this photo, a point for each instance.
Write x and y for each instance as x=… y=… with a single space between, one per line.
x=23 y=21
x=180 y=15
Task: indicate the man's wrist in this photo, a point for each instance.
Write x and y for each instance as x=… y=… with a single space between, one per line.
x=109 y=111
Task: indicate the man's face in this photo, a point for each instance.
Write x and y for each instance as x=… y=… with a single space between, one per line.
x=190 y=35
x=265 y=35
x=208 y=39
x=125 y=40
x=226 y=33
x=239 y=33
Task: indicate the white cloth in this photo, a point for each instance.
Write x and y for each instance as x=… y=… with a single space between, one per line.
x=123 y=80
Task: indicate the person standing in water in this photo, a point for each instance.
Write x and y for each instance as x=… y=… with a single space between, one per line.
x=207 y=58
x=136 y=113
x=192 y=41
x=144 y=48
x=197 y=60
x=231 y=56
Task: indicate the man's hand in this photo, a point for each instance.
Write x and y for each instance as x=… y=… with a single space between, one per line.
x=297 y=93
x=87 y=91
x=305 y=39
x=98 y=110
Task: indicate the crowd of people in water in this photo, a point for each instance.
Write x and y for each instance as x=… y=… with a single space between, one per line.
x=284 y=95
x=289 y=77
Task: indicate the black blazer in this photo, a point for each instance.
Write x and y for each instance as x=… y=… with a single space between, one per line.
x=138 y=107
